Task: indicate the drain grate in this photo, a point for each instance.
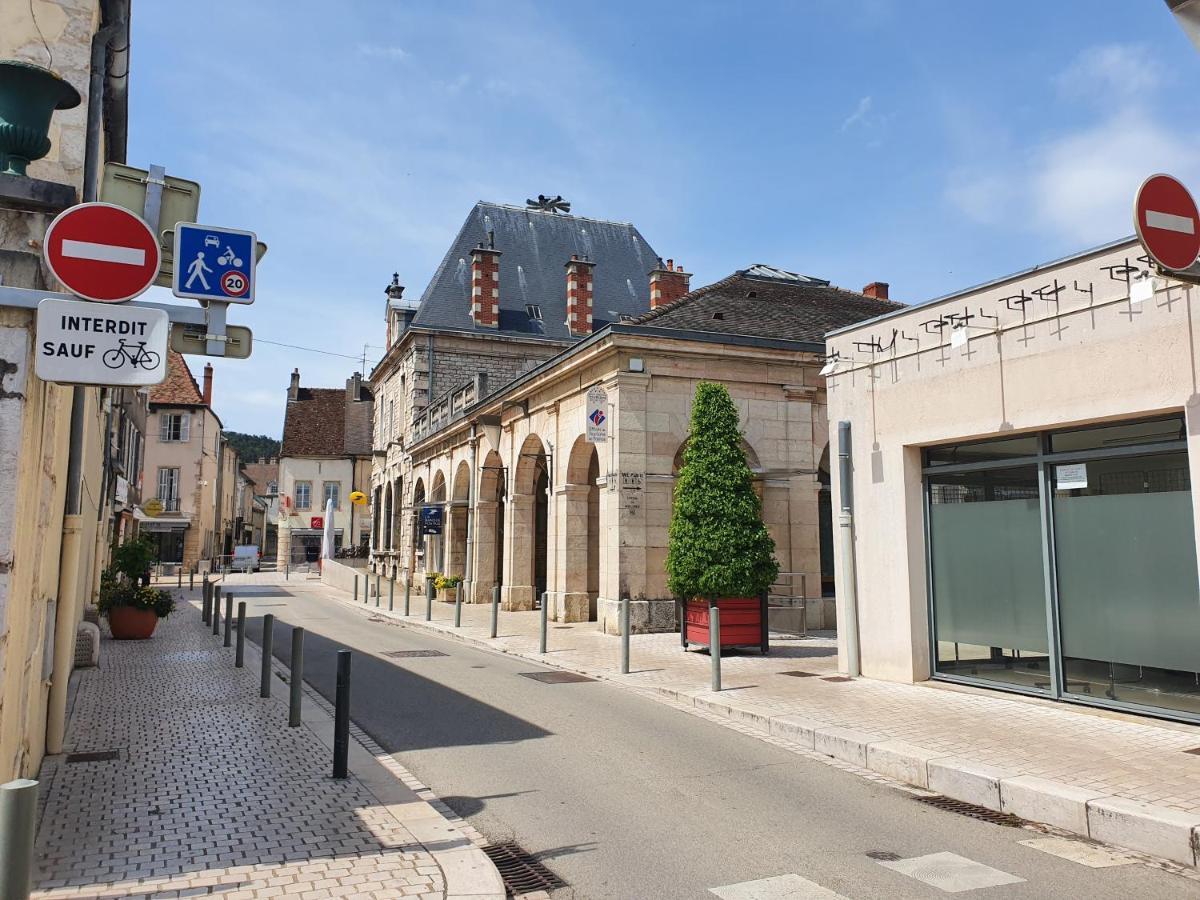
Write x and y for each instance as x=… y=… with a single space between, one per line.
x=838 y=679
x=884 y=855
x=555 y=677
x=521 y=871
x=982 y=813
x=799 y=674
x=412 y=654
x=93 y=756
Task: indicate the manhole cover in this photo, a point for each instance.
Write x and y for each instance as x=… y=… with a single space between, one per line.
x=799 y=674
x=93 y=756
x=521 y=871
x=555 y=677
x=982 y=813
x=411 y=654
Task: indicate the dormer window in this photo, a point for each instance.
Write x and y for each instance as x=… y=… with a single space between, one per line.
x=533 y=311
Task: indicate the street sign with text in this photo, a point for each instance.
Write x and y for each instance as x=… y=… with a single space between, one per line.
x=431 y=520
x=101 y=252
x=597 y=415
x=83 y=343
x=1167 y=222
x=213 y=263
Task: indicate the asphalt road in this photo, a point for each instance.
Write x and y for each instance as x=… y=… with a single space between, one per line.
x=624 y=797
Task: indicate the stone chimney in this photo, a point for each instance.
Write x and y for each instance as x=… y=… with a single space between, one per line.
x=668 y=283
x=579 y=295
x=354 y=387
x=294 y=387
x=207 y=391
x=485 y=286
x=876 y=289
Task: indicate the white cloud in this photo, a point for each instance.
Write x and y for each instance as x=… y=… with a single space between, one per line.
x=1111 y=72
x=859 y=116
x=383 y=51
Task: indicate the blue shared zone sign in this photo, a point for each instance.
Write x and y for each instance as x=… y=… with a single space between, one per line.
x=214 y=263
x=431 y=520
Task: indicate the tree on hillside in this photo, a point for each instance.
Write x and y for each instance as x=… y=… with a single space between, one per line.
x=251 y=447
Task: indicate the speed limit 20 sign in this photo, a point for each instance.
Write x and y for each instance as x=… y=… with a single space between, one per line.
x=215 y=264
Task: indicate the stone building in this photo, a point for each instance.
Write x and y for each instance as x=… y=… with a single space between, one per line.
x=526 y=501
x=326 y=455
x=264 y=474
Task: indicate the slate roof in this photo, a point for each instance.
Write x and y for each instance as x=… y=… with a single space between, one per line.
x=535 y=248
x=323 y=422
x=179 y=388
x=781 y=306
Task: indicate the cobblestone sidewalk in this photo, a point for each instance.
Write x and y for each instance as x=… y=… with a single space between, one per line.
x=1119 y=778
x=212 y=793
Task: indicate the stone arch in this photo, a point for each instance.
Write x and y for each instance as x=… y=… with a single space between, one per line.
x=387 y=517
x=825 y=524
x=751 y=458
x=527 y=544
x=456 y=527
x=435 y=544
x=489 y=527
x=580 y=534
x=418 y=540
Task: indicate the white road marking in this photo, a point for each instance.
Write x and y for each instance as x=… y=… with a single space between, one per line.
x=780 y=887
x=126 y=256
x=1170 y=222
x=950 y=872
x=1095 y=856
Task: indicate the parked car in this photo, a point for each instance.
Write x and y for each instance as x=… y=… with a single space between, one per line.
x=245 y=558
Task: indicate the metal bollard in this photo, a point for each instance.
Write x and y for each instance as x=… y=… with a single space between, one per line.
x=296 y=677
x=18 y=818
x=714 y=645
x=205 y=602
x=376 y=589
x=407 y=594
x=624 y=635
x=181 y=577
x=356 y=589
x=287 y=570
x=239 y=658
x=495 y=608
x=192 y=580
x=458 y=605
x=264 y=681
x=429 y=599
x=229 y=620
x=216 y=610
x=391 y=594
x=341 y=716
x=545 y=614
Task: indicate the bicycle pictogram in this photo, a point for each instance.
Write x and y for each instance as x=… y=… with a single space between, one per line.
x=136 y=355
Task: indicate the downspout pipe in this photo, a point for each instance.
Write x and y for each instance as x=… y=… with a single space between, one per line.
x=849 y=570
x=469 y=568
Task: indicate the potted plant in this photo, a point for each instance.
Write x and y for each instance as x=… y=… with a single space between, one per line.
x=131 y=607
x=719 y=552
x=445 y=585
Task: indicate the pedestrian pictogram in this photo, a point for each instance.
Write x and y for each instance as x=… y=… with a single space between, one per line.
x=1167 y=222
x=102 y=252
x=213 y=263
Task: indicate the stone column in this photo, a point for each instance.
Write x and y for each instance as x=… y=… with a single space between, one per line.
x=518 y=590
x=485 y=548
x=572 y=515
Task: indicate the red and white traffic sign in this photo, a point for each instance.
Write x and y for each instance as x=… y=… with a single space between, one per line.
x=102 y=252
x=1167 y=222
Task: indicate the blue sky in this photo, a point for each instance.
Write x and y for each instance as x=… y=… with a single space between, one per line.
x=928 y=144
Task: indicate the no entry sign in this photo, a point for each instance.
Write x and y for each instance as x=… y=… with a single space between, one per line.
x=1167 y=222
x=102 y=252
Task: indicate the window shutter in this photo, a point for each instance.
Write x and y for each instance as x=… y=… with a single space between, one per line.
x=185 y=426
x=164 y=426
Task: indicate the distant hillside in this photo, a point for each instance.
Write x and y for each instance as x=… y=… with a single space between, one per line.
x=251 y=447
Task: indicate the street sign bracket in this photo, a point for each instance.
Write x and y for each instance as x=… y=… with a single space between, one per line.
x=155 y=182
x=215 y=315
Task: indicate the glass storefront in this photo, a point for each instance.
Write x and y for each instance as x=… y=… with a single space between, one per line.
x=1064 y=564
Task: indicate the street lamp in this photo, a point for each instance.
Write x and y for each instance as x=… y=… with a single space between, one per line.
x=1187 y=14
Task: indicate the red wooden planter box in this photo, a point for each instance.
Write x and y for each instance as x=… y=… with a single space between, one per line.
x=743 y=622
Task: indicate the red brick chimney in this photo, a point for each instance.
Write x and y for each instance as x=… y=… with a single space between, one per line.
x=207 y=392
x=668 y=283
x=485 y=287
x=876 y=289
x=579 y=295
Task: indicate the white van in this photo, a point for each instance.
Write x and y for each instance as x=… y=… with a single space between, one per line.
x=245 y=559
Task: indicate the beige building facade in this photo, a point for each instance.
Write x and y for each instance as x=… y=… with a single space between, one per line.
x=1023 y=460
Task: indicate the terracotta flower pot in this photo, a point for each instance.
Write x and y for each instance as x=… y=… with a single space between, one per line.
x=131 y=624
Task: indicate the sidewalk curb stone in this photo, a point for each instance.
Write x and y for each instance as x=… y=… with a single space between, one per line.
x=1167 y=833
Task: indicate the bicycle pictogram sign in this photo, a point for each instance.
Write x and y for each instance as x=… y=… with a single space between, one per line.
x=135 y=355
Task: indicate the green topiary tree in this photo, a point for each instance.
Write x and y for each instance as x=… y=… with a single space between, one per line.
x=718 y=546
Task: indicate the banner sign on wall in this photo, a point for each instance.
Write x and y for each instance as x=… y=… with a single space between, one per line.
x=597 y=415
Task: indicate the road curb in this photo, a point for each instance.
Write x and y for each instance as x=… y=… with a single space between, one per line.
x=1161 y=831
x=468 y=873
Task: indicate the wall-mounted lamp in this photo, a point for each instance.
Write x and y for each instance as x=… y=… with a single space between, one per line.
x=637 y=364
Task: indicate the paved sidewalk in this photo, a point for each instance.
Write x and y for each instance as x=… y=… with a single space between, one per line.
x=1116 y=778
x=212 y=793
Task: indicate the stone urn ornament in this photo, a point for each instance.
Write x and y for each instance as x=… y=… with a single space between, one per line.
x=29 y=95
